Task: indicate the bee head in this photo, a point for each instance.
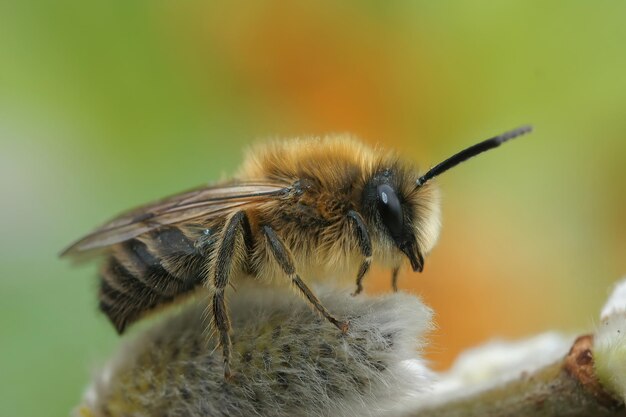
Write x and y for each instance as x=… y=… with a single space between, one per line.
x=406 y=219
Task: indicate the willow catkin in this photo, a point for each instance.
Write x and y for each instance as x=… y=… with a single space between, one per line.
x=288 y=361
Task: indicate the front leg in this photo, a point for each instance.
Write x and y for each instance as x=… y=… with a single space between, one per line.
x=394 y=279
x=365 y=245
x=285 y=261
x=230 y=247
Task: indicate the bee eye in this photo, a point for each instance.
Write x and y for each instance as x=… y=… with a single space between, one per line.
x=390 y=209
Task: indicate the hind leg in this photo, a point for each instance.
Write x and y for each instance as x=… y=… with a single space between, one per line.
x=235 y=244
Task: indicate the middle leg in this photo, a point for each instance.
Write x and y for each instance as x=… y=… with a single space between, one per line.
x=285 y=261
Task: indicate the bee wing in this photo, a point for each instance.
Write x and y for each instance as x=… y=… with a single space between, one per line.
x=206 y=202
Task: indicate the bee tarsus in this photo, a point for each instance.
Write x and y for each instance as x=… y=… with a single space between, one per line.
x=394 y=279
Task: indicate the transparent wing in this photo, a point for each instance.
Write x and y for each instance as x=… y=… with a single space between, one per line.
x=206 y=203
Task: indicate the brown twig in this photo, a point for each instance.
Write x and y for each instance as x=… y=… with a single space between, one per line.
x=566 y=388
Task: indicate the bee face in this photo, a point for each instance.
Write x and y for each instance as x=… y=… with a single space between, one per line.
x=396 y=211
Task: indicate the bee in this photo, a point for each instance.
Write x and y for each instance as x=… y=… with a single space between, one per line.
x=317 y=208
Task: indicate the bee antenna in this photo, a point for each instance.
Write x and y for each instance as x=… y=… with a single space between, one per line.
x=472 y=151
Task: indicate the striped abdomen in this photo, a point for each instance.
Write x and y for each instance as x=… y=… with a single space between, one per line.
x=151 y=270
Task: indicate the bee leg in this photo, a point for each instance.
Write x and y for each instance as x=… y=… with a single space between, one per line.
x=285 y=260
x=365 y=244
x=236 y=227
x=394 y=279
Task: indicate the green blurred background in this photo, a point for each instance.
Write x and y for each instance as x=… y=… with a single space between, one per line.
x=107 y=105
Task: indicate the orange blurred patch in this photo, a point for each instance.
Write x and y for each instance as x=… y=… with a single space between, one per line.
x=332 y=69
x=477 y=291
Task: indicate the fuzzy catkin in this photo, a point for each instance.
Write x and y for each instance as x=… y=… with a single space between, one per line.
x=610 y=342
x=287 y=360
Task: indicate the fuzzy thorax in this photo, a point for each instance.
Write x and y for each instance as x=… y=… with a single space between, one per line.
x=334 y=173
x=288 y=361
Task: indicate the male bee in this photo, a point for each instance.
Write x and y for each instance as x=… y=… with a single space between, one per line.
x=306 y=207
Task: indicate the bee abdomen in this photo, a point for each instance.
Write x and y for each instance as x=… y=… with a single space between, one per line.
x=138 y=278
x=149 y=269
x=123 y=297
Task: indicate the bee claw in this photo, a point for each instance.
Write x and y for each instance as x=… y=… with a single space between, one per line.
x=228 y=375
x=344 y=327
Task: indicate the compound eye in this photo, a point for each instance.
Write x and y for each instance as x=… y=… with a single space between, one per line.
x=390 y=209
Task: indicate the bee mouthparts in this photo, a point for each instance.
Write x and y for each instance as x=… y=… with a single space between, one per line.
x=415 y=257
